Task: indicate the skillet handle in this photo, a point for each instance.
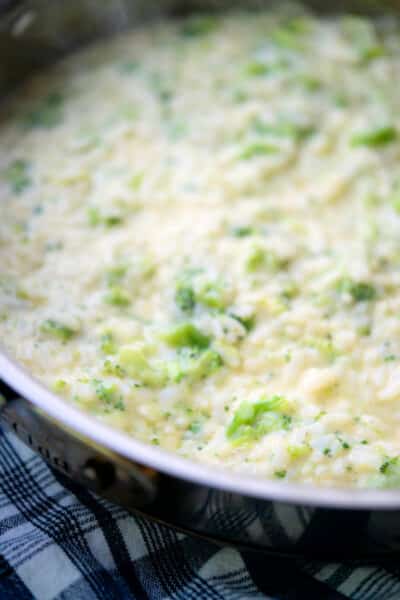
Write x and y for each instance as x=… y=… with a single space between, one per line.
x=102 y=471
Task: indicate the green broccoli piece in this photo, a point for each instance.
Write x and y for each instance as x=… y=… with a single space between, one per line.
x=360 y=291
x=252 y=421
x=256 y=68
x=242 y=231
x=18 y=175
x=186 y=334
x=95 y=218
x=389 y=474
x=257 y=149
x=109 y=394
x=108 y=345
x=58 y=330
x=211 y=295
x=117 y=296
x=194 y=366
x=375 y=137
x=185 y=298
x=283 y=129
x=134 y=361
x=259 y=257
x=116 y=274
x=247 y=322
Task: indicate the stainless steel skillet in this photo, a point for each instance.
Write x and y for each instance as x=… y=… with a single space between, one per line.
x=271 y=516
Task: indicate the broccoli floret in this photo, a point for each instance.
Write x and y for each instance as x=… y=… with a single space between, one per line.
x=18 y=175
x=375 y=137
x=242 y=231
x=135 y=362
x=117 y=296
x=186 y=334
x=251 y=421
x=109 y=394
x=257 y=149
x=185 y=298
x=58 y=330
x=360 y=291
x=194 y=367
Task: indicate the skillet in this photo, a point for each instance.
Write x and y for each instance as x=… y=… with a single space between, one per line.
x=271 y=516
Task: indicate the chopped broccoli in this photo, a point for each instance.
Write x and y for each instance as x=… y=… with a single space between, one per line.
x=58 y=330
x=108 y=345
x=195 y=427
x=18 y=175
x=280 y=474
x=283 y=129
x=360 y=291
x=260 y=257
x=207 y=363
x=136 y=181
x=257 y=149
x=185 y=297
x=252 y=421
x=257 y=68
x=308 y=82
x=116 y=274
x=60 y=385
x=325 y=347
x=389 y=474
x=290 y=291
x=389 y=466
x=112 y=220
x=96 y=218
x=186 y=334
x=247 y=322
x=134 y=360
x=211 y=295
x=194 y=366
x=298 y=451
x=113 y=368
x=117 y=296
x=109 y=394
x=390 y=358
x=374 y=137
x=242 y=231
x=255 y=259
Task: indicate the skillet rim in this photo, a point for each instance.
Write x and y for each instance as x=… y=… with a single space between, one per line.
x=82 y=424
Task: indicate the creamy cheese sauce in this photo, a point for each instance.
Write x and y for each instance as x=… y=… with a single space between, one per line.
x=200 y=241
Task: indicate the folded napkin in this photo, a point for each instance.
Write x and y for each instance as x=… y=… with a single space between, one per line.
x=57 y=540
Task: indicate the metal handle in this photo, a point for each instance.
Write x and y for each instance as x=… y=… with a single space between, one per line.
x=129 y=484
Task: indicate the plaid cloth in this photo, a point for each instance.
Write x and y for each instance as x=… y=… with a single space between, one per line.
x=57 y=540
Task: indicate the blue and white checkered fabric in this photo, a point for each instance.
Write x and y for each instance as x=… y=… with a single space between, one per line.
x=59 y=541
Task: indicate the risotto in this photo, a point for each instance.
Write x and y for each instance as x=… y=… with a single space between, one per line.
x=200 y=240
